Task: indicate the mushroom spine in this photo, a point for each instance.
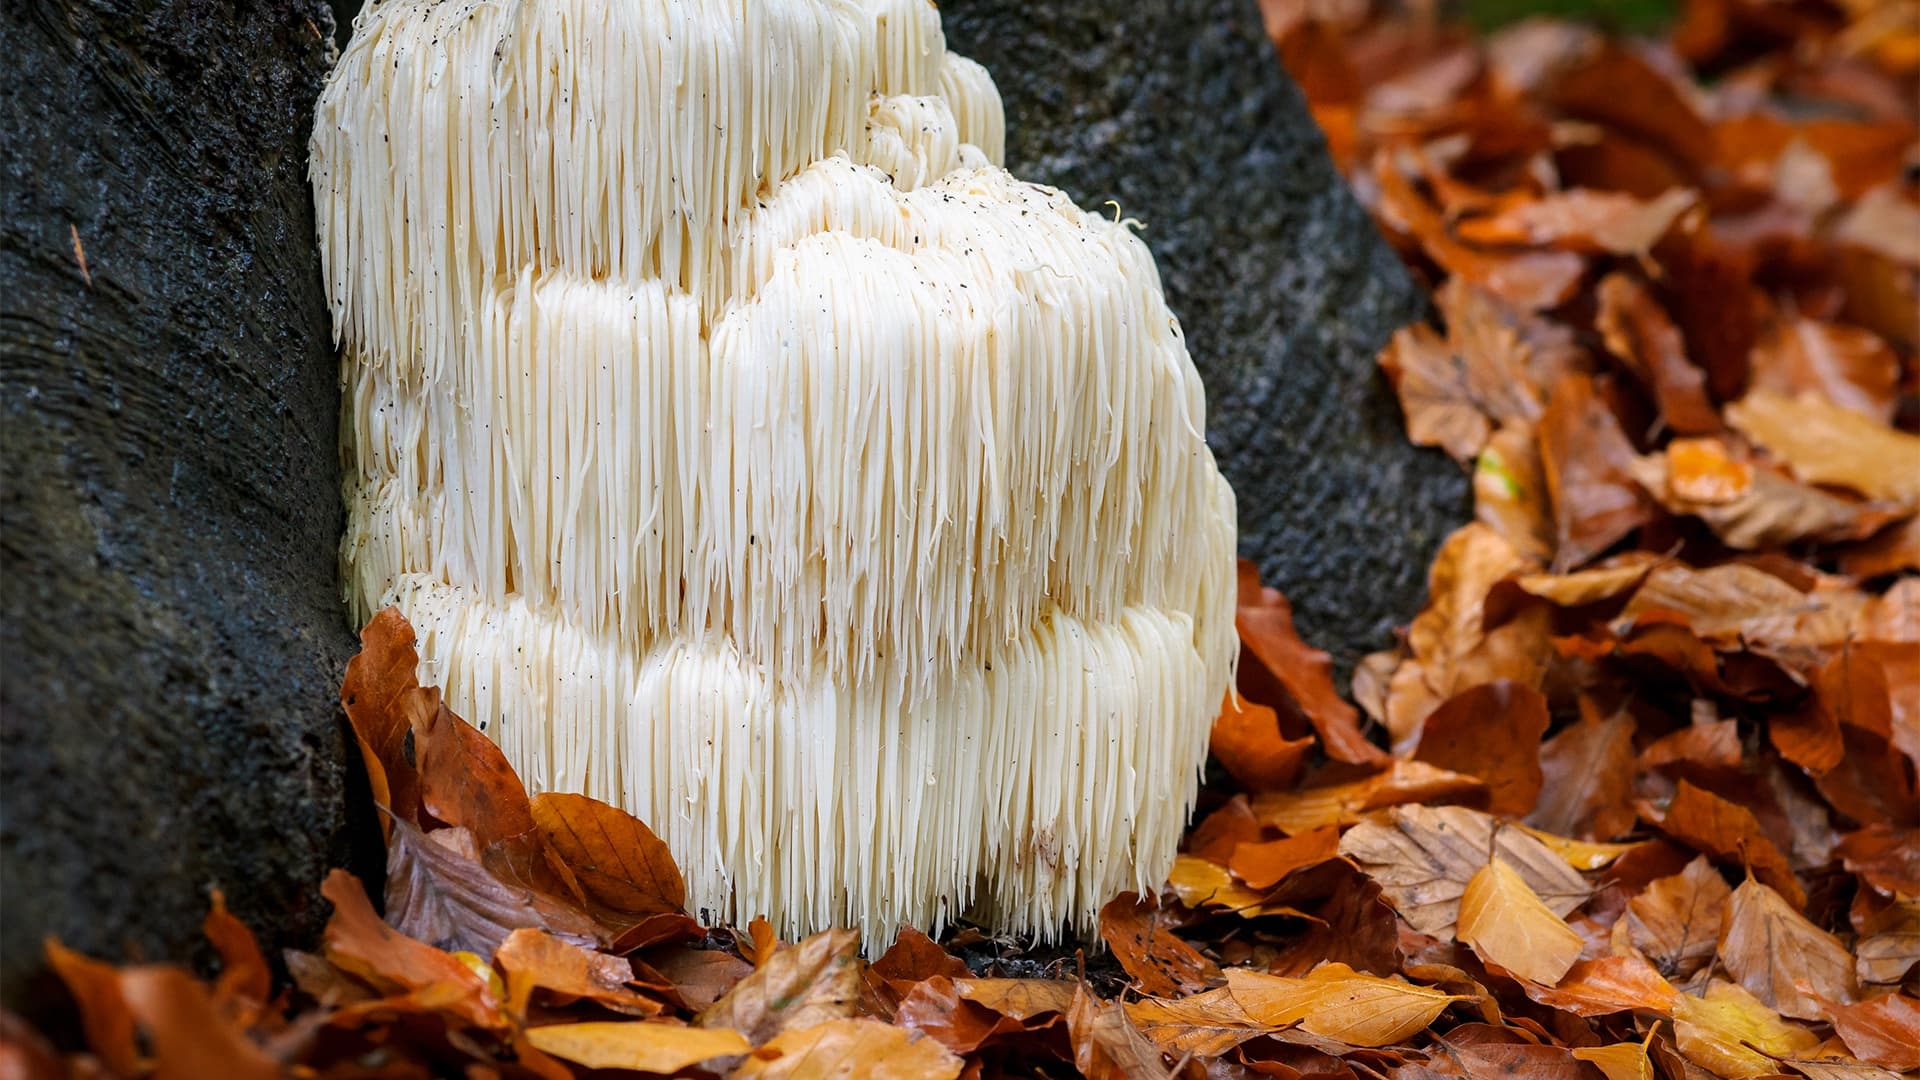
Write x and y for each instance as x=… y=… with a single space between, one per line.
x=752 y=451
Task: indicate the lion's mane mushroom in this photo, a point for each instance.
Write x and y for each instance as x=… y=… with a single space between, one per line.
x=752 y=452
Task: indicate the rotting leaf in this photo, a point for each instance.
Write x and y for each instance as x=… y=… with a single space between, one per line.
x=1505 y=923
x=1424 y=859
x=1787 y=962
x=1338 y=1002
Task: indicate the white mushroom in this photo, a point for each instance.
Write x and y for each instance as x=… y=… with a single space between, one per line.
x=752 y=452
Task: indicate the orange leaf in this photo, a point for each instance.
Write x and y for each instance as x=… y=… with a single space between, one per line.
x=1824 y=443
x=1788 y=963
x=104 y=1014
x=1587 y=779
x=191 y=1038
x=1310 y=808
x=1728 y=832
x=1161 y=963
x=1588 y=463
x=1849 y=366
x=797 y=987
x=1505 y=923
x=636 y=1044
x=1491 y=731
x=1106 y=1045
x=1733 y=1034
x=1638 y=331
x=1265 y=622
x=1247 y=741
x=243 y=968
x=1262 y=865
x=1338 y=1002
x=1608 y=984
x=1884 y=1031
x=533 y=959
x=1676 y=920
x=914 y=956
x=1425 y=858
x=357 y=942
x=377 y=682
x=851 y=1049
x=464 y=778
x=618 y=861
x=1887 y=858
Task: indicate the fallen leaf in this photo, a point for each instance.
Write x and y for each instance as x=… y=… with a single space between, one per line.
x=1146 y=947
x=1787 y=962
x=1847 y=365
x=1607 y=984
x=1884 y=1031
x=1887 y=858
x=1491 y=731
x=1728 y=832
x=357 y=942
x=1247 y=741
x=701 y=976
x=1337 y=1002
x=1888 y=948
x=439 y=893
x=914 y=956
x=1424 y=859
x=1588 y=464
x=190 y=1038
x=1638 y=331
x=1583 y=220
x=797 y=987
x=1204 y=1025
x=851 y=1049
x=1106 y=1045
x=243 y=968
x=1022 y=999
x=1824 y=443
x=1838 y=1069
x=636 y=1044
x=1731 y=1033
x=534 y=960
x=1750 y=508
x=1619 y=1061
x=1505 y=923
x=104 y=1015
x=620 y=864
x=1309 y=808
x=1456 y=390
x=1529 y=280
x=1263 y=864
x=1587 y=779
x=465 y=780
x=1265 y=622
x=1510 y=492
x=1675 y=921
x=378 y=680
x=934 y=1006
x=1579 y=854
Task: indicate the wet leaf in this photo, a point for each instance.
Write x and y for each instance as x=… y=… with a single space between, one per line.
x=1424 y=859
x=1505 y=923
x=1339 y=1003
x=851 y=1049
x=1787 y=962
x=636 y=1044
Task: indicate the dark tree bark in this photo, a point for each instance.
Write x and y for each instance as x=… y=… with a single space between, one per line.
x=1179 y=110
x=172 y=637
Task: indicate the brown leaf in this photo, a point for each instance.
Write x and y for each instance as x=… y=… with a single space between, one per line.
x=1308 y=808
x=1730 y=833
x=1223 y=830
x=1734 y=1034
x=1265 y=622
x=190 y=1037
x=620 y=864
x=1847 y=365
x=1456 y=390
x=1637 y=330
x=1888 y=948
x=104 y=1015
x=1339 y=1003
x=1529 y=280
x=1824 y=443
x=1504 y=922
x=1425 y=858
x=1884 y=1031
x=357 y=942
x=1106 y=1045
x=1491 y=731
x=1261 y=865
x=243 y=968
x=914 y=956
x=1587 y=779
x=1247 y=741
x=1510 y=492
x=1676 y=920
x=1161 y=963
x=1619 y=1061
x=465 y=780
x=934 y=1006
x=1788 y=963
x=1590 y=222
x=1607 y=984
x=379 y=680
x=1204 y=1025
x=636 y=1044
x=1355 y=925
x=799 y=986
x=1886 y=858
x=1869 y=782
x=534 y=960
x=1750 y=507
x=700 y=976
x=850 y=1049
x=1588 y=464
x=1022 y=999
x=438 y=892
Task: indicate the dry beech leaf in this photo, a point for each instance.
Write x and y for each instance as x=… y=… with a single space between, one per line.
x=1491 y=731
x=1337 y=1002
x=798 y=986
x=186 y=1030
x=1731 y=1033
x=357 y=942
x=243 y=968
x=1425 y=857
x=1504 y=923
x=465 y=780
x=1886 y=858
x=1751 y=508
x=1510 y=492
x=914 y=956
x=1607 y=984
x=1205 y=1025
x=1839 y=1069
x=1849 y=366
x=1729 y=832
x=1787 y=962
x=1309 y=808
x=1638 y=331
x=1884 y=1031
x=1264 y=620
x=439 y=893
x=1587 y=779
x=618 y=861
x=104 y=1016
x=1262 y=865
x=1824 y=443
x=1203 y=883
x=532 y=959
x=1456 y=390
x=1887 y=949
x=1579 y=854
x=1675 y=921
x=1147 y=948
x=1248 y=742
x=636 y=1044
x=1620 y=1061
x=935 y=1006
x=851 y=1049
x=1583 y=220
x=1588 y=464
x=379 y=677
x=1021 y=999
x=1106 y=1045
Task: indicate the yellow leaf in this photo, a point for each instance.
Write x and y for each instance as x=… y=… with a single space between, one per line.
x=845 y=1049
x=659 y=1048
x=1505 y=923
x=1824 y=443
x=1580 y=854
x=1423 y=857
x=1338 y=1002
x=1621 y=1061
x=1729 y=1032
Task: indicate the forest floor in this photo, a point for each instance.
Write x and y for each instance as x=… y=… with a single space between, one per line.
x=1634 y=796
